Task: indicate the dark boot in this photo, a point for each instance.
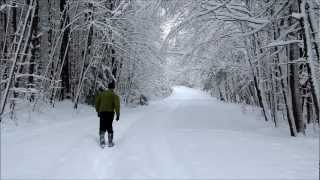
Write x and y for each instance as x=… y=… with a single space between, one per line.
x=102 y=140
x=110 y=140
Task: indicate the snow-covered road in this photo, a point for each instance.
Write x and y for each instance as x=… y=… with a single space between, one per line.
x=187 y=135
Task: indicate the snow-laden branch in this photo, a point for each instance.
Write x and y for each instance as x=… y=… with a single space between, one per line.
x=283 y=43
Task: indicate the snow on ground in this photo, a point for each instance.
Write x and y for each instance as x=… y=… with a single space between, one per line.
x=187 y=135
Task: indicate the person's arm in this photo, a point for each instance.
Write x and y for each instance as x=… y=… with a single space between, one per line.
x=97 y=102
x=117 y=106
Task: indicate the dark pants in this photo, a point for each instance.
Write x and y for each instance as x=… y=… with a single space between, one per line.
x=106 y=119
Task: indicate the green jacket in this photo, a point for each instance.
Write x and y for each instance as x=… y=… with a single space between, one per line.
x=108 y=101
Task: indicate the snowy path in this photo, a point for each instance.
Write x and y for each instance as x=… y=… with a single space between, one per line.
x=188 y=135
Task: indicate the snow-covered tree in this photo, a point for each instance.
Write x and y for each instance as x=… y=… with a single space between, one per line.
x=263 y=53
x=68 y=49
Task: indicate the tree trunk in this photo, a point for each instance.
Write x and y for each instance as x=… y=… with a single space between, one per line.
x=30 y=13
x=313 y=65
x=64 y=55
x=87 y=52
x=294 y=54
x=35 y=46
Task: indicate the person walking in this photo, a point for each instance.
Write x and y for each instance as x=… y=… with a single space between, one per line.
x=107 y=103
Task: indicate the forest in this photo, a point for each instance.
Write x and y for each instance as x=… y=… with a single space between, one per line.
x=159 y=89
x=68 y=49
x=263 y=53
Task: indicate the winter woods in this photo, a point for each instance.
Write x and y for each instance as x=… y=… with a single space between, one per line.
x=263 y=53
x=68 y=49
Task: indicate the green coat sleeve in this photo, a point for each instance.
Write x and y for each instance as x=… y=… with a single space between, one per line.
x=117 y=105
x=98 y=101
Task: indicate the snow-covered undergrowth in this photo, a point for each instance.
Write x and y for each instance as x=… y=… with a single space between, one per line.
x=187 y=135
